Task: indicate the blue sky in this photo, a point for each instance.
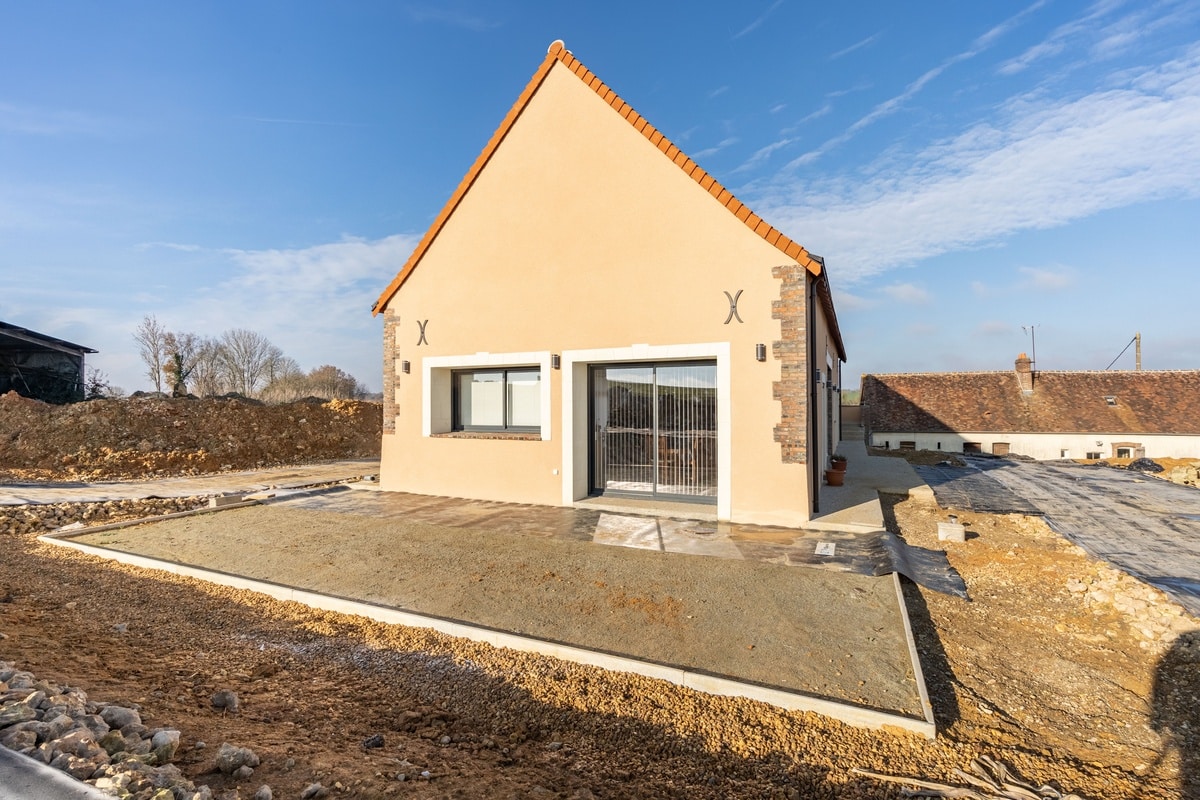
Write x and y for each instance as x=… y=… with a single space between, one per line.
x=965 y=168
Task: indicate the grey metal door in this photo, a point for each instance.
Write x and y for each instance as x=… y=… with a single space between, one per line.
x=655 y=430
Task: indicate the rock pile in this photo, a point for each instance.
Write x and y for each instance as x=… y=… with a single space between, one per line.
x=16 y=520
x=1187 y=474
x=100 y=743
x=1156 y=619
x=155 y=436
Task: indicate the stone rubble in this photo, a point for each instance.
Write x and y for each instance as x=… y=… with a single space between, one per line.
x=1153 y=616
x=1187 y=474
x=104 y=744
x=42 y=518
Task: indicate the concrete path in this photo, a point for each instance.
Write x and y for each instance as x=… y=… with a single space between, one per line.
x=15 y=494
x=1143 y=525
x=855 y=505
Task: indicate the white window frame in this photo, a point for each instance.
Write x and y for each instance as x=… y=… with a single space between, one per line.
x=437 y=404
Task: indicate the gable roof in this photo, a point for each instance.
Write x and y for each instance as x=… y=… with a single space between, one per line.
x=1149 y=402
x=558 y=54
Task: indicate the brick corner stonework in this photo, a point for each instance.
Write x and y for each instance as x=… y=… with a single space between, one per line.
x=791 y=390
x=390 y=323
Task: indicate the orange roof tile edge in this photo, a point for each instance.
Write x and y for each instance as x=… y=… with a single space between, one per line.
x=558 y=53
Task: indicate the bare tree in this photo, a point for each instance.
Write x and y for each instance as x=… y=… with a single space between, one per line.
x=207 y=376
x=330 y=382
x=326 y=381
x=247 y=360
x=180 y=353
x=150 y=336
x=287 y=383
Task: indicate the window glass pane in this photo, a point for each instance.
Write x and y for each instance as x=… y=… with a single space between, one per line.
x=481 y=399
x=524 y=399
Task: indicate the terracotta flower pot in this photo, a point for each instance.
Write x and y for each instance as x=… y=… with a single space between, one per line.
x=835 y=477
x=839 y=465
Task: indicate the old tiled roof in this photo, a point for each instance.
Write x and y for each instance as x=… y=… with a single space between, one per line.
x=1151 y=402
x=558 y=54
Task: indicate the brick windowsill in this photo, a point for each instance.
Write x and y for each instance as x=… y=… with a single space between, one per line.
x=512 y=435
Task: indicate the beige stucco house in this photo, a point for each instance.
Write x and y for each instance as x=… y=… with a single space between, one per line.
x=592 y=314
x=1040 y=414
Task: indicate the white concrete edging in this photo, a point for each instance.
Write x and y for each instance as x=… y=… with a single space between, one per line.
x=710 y=684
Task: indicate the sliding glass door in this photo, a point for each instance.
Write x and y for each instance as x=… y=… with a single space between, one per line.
x=655 y=430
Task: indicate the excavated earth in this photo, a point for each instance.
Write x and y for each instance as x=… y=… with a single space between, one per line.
x=1051 y=668
x=146 y=437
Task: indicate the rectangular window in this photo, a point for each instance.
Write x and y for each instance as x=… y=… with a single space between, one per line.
x=497 y=400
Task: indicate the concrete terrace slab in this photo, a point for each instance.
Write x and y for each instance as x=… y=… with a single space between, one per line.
x=726 y=609
x=15 y=494
x=532 y=578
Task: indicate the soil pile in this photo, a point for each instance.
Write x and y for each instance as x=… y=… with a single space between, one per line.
x=156 y=436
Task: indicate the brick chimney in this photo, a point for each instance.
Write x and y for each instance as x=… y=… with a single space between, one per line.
x=1025 y=373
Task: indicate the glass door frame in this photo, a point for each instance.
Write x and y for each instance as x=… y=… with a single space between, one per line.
x=595 y=488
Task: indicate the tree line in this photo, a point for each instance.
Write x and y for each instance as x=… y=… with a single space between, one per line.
x=238 y=361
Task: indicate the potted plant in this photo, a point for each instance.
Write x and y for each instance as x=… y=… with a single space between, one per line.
x=838 y=462
x=835 y=477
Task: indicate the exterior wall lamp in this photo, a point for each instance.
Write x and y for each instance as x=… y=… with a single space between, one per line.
x=555 y=361
x=405 y=367
x=760 y=352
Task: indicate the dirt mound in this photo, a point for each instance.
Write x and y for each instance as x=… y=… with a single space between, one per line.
x=154 y=436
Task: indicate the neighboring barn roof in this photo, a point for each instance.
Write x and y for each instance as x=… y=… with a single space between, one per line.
x=558 y=54
x=1150 y=402
x=14 y=337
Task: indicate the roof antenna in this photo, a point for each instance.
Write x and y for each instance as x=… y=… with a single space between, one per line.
x=1137 y=337
x=1031 y=332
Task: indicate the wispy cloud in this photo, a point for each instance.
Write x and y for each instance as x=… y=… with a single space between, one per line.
x=845 y=51
x=452 y=17
x=757 y=23
x=319 y=122
x=1047 y=279
x=717 y=92
x=721 y=145
x=183 y=248
x=807 y=118
x=848 y=301
x=762 y=155
x=908 y=293
x=858 y=87
x=995 y=328
x=1042 y=163
x=894 y=104
x=33 y=121
x=1102 y=33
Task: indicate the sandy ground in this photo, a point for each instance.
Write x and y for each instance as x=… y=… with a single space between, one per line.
x=835 y=635
x=1027 y=673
